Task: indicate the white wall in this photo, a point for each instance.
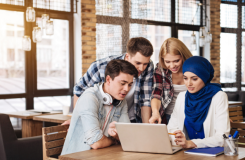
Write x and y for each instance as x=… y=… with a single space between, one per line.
x=77 y=44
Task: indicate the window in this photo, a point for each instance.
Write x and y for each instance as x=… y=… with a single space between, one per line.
x=228 y=54
x=52 y=70
x=44 y=75
x=112 y=34
x=21 y=55
x=185 y=37
x=156 y=20
x=10 y=33
x=232 y=45
x=20 y=33
x=10 y=55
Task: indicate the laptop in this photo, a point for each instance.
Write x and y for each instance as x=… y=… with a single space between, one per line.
x=143 y=137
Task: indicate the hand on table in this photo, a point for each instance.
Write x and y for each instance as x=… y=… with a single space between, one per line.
x=181 y=140
x=155 y=117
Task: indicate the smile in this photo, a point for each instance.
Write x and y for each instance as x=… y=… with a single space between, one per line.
x=174 y=69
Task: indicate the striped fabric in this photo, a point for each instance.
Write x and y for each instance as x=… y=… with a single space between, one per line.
x=162 y=87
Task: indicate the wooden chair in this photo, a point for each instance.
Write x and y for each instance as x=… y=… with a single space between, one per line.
x=239 y=126
x=235 y=113
x=53 y=141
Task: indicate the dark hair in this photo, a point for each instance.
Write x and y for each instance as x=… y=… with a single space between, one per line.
x=114 y=67
x=140 y=44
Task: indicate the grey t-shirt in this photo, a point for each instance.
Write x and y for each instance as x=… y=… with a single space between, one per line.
x=177 y=90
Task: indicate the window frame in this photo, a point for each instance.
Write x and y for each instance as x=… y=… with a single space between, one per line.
x=238 y=31
x=31 y=90
x=125 y=21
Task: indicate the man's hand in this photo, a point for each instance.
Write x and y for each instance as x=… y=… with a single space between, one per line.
x=155 y=117
x=112 y=131
x=67 y=122
x=181 y=140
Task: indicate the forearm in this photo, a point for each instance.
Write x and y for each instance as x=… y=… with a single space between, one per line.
x=155 y=105
x=190 y=144
x=75 y=98
x=102 y=143
x=145 y=114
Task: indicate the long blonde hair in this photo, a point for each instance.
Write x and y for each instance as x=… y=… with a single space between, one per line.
x=173 y=46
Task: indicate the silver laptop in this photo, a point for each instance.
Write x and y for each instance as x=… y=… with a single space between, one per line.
x=143 y=137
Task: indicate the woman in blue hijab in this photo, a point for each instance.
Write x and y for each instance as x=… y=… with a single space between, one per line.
x=201 y=115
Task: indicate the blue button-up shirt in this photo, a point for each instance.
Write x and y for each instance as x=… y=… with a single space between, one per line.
x=88 y=119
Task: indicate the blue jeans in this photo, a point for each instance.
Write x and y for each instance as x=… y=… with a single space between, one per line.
x=168 y=117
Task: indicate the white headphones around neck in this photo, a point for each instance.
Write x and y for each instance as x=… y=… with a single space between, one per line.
x=107 y=99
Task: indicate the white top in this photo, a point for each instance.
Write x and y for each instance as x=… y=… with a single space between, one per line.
x=215 y=125
x=177 y=90
x=130 y=101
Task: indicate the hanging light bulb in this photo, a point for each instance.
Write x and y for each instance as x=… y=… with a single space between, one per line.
x=202 y=34
x=193 y=42
x=193 y=47
x=207 y=38
x=26 y=43
x=30 y=14
x=201 y=41
x=202 y=31
x=37 y=34
x=193 y=37
x=49 y=27
x=45 y=17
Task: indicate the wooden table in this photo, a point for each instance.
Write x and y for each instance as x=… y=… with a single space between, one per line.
x=231 y=103
x=30 y=128
x=116 y=152
x=56 y=118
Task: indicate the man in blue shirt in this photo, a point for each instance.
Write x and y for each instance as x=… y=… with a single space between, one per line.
x=99 y=107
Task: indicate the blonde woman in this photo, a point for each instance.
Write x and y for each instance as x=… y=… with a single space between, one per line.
x=168 y=79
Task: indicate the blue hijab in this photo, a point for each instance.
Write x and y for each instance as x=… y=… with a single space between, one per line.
x=197 y=104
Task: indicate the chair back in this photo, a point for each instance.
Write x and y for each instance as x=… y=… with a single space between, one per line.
x=235 y=113
x=53 y=140
x=240 y=127
x=7 y=137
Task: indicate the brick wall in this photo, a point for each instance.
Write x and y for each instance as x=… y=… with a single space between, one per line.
x=88 y=33
x=215 y=45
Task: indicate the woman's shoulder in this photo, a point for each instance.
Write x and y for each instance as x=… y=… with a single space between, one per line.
x=221 y=95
